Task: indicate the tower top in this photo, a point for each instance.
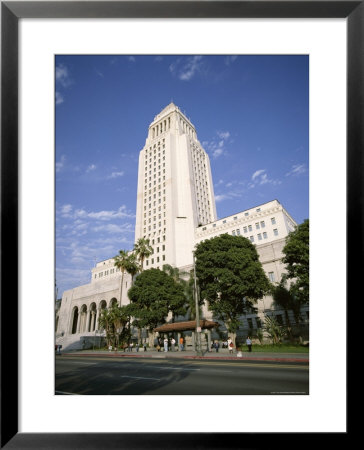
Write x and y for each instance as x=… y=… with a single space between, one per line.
x=168 y=109
x=171 y=107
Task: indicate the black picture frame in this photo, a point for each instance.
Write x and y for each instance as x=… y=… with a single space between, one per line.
x=11 y=12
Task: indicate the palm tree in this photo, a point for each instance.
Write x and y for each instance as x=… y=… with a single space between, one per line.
x=121 y=262
x=105 y=323
x=142 y=249
x=132 y=266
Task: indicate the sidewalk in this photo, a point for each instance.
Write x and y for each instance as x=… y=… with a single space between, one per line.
x=222 y=354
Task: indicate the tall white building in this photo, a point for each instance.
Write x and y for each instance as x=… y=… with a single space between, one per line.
x=175 y=211
x=175 y=191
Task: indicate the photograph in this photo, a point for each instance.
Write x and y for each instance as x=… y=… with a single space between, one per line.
x=181 y=224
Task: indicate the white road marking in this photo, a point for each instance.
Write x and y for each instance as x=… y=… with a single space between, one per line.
x=172 y=368
x=139 y=378
x=65 y=393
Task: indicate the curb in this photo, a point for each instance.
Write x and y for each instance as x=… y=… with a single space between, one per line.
x=220 y=358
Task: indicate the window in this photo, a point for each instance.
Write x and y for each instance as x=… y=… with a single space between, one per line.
x=235 y=218
x=259 y=237
x=271 y=276
x=246 y=214
x=265 y=235
x=279 y=319
x=250 y=323
x=251 y=238
x=238 y=232
x=275 y=232
x=273 y=220
x=224 y=221
x=245 y=229
x=233 y=232
x=257 y=210
x=262 y=224
x=250 y=228
x=257 y=226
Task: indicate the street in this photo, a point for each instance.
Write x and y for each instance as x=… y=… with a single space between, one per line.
x=97 y=375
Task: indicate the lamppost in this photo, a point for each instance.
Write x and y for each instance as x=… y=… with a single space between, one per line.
x=198 y=328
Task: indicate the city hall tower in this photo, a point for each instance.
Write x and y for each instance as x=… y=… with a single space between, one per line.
x=175 y=191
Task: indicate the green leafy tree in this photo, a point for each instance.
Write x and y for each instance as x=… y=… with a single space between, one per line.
x=179 y=278
x=230 y=276
x=142 y=249
x=297 y=261
x=153 y=295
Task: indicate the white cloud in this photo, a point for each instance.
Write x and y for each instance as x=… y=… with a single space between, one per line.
x=257 y=173
x=90 y=168
x=186 y=68
x=220 y=198
x=62 y=75
x=65 y=210
x=260 y=178
x=60 y=164
x=230 y=59
x=116 y=174
x=113 y=228
x=296 y=169
x=223 y=134
x=59 y=98
x=216 y=147
x=104 y=215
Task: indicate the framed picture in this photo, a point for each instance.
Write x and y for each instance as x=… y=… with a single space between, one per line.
x=11 y=179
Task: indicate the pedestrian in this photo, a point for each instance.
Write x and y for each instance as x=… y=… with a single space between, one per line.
x=173 y=342
x=249 y=343
x=217 y=345
x=231 y=347
x=166 y=344
x=145 y=346
x=159 y=346
x=131 y=347
x=110 y=348
x=137 y=346
x=181 y=343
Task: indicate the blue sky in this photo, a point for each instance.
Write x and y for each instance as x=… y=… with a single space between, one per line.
x=250 y=113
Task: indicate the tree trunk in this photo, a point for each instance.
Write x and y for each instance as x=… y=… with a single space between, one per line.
x=121 y=285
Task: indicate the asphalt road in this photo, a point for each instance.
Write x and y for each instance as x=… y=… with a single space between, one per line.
x=127 y=376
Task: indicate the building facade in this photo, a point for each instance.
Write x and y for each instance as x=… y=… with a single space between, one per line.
x=175 y=211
